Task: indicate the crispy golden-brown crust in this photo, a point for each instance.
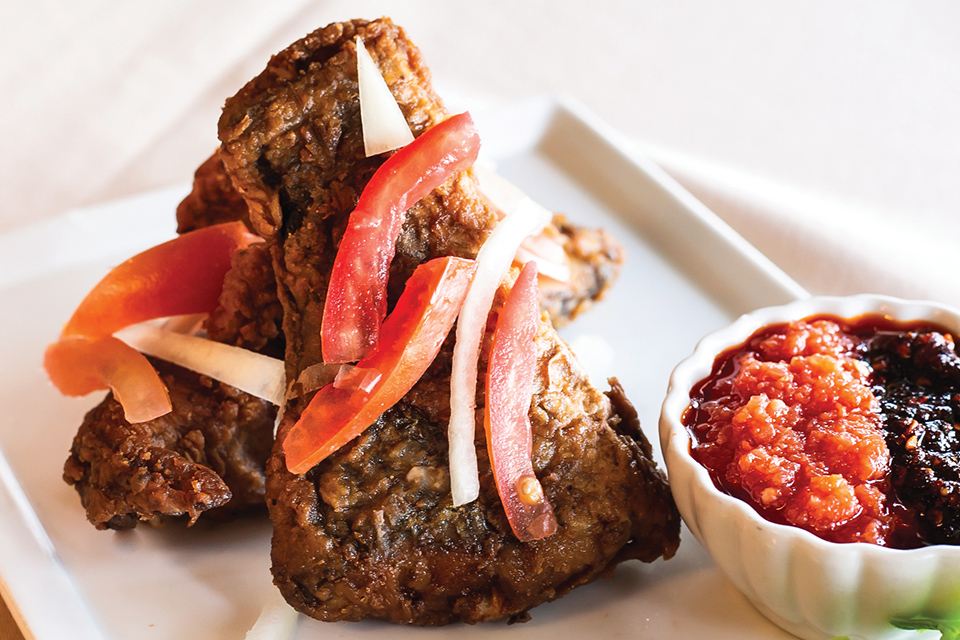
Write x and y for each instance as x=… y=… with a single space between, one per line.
x=248 y=313
x=212 y=200
x=370 y=532
x=206 y=453
x=293 y=146
x=289 y=154
x=594 y=258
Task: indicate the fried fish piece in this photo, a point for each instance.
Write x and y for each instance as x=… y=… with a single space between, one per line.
x=592 y=255
x=370 y=532
x=209 y=453
x=212 y=199
x=206 y=454
x=248 y=313
x=594 y=259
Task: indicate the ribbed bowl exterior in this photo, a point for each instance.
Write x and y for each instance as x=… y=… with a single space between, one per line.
x=809 y=587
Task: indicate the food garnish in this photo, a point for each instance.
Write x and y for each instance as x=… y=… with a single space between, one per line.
x=522 y=218
x=249 y=371
x=277 y=620
x=356 y=301
x=949 y=629
x=314 y=377
x=78 y=365
x=181 y=276
x=510 y=372
x=369 y=531
x=549 y=255
x=409 y=341
x=356 y=378
x=383 y=124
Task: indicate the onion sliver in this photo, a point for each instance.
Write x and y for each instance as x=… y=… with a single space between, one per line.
x=189 y=324
x=277 y=621
x=314 y=377
x=254 y=373
x=502 y=194
x=352 y=378
x=383 y=124
x=549 y=255
x=524 y=217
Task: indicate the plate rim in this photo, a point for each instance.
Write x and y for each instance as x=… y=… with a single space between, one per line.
x=542 y=116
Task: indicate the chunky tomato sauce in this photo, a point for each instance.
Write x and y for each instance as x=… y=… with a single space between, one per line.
x=790 y=422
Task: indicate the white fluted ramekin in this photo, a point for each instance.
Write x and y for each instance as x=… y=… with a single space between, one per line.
x=809 y=587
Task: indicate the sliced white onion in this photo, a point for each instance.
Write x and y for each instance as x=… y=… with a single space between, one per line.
x=523 y=218
x=190 y=323
x=383 y=124
x=502 y=194
x=277 y=621
x=254 y=373
x=549 y=255
x=314 y=377
x=353 y=378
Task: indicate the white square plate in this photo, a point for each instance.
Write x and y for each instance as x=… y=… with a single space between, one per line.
x=687 y=273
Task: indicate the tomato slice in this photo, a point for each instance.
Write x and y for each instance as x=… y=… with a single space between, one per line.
x=409 y=341
x=78 y=365
x=184 y=275
x=356 y=300
x=510 y=373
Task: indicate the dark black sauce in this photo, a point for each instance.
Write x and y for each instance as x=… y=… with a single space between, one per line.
x=916 y=377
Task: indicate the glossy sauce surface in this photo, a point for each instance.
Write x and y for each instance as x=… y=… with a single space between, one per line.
x=795 y=422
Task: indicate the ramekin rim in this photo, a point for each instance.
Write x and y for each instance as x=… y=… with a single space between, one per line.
x=675 y=438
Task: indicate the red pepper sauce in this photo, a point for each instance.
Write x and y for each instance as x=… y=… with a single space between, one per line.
x=788 y=422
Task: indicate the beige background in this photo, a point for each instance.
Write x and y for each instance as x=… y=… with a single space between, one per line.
x=827 y=133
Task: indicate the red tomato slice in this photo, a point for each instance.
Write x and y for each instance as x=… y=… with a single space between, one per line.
x=409 y=341
x=356 y=300
x=184 y=275
x=510 y=373
x=78 y=365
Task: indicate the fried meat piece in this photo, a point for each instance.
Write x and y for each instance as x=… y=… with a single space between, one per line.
x=248 y=313
x=593 y=256
x=212 y=200
x=293 y=146
x=207 y=453
x=370 y=531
